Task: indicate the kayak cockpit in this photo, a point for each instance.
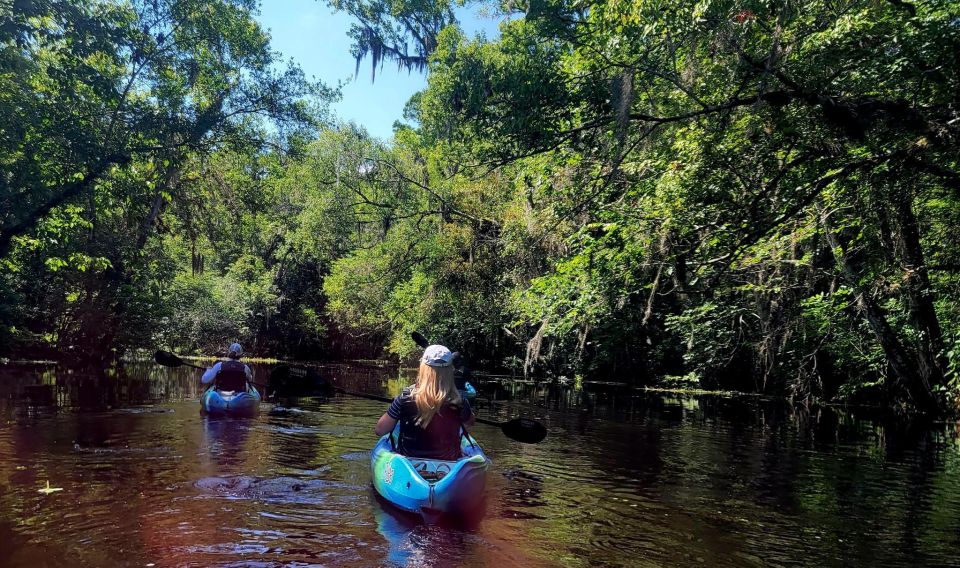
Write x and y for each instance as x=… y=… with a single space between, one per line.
x=230 y=403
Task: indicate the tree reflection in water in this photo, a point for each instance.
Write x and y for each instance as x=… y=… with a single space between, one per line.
x=625 y=477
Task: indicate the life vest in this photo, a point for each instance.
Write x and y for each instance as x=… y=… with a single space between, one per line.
x=440 y=440
x=232 y=376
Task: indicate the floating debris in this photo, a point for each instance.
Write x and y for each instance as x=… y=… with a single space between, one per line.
x=48 y=490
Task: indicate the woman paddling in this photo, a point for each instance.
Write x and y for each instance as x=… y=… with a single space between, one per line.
x=431 y=413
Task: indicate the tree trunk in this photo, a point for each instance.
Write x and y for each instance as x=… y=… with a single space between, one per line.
x=903 y=365
x=919 y=295
x=171 y=179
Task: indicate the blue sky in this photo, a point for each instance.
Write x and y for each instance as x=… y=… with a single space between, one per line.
x=310 y=33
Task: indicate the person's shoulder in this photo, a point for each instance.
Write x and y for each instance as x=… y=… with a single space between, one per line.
x=406 y=398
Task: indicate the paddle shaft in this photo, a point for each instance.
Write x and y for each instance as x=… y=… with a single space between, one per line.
x=389 y=400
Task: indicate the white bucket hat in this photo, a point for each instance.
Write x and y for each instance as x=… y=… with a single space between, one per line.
x=437 y=356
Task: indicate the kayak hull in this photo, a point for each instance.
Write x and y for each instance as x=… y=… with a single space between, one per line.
x=230 y=403
x=453 y=488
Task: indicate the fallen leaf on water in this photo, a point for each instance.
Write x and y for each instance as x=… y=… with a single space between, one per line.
x=48 y=490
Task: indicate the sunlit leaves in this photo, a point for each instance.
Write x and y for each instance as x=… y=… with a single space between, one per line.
x=108 y=112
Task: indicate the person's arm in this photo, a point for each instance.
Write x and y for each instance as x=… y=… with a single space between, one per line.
x=385 y=425
x=389 y=420
x=210 y=374
x=249 y=372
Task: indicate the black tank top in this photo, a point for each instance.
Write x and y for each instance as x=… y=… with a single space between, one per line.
x=440 y=440
x=232 y=376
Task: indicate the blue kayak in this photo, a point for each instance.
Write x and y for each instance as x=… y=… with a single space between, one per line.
x=430 y=487
x=230 y=403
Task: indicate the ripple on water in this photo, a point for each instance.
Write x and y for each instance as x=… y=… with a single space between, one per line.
x=287 y=411
x=145 y=410
x=363 y=455
x=294 y=430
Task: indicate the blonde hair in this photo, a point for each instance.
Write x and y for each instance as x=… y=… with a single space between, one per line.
x=434 y=388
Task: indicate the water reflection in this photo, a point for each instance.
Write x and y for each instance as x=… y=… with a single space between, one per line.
x=224 y=440
x=625 y=478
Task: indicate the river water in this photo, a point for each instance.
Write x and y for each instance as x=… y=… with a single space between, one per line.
x=625 y=478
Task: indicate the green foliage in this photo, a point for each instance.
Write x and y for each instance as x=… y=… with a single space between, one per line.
x=209 y=312
x=740 y=178
x=758 y=196
x=108 y=110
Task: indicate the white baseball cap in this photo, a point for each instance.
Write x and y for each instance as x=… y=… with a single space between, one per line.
x=437 y=356
x=235 y=350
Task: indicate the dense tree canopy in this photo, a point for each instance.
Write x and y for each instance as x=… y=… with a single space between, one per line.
x=758 y=189
x=108 y=110
x=741 y=195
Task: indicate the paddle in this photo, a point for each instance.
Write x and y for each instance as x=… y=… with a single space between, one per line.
x=168 y=359
x=420 y=340
x=520 y=429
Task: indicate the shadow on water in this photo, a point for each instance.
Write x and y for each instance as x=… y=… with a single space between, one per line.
x=625 y=478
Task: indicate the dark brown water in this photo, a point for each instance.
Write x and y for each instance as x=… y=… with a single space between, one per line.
x=624 y=479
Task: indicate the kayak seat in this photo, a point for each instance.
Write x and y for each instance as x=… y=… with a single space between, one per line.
x=431 y=470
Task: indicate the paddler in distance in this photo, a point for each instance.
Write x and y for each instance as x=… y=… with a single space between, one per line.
x=229 y=375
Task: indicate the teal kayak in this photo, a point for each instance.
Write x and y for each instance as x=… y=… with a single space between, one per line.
x=230 y=403
x=430 y=487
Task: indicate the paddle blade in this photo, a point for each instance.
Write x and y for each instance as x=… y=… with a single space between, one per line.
x=419 y=339
x=524 y=430
x=167 y=359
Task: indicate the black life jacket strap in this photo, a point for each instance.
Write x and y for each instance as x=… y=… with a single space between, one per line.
x=468 y=436
x=393 y=445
